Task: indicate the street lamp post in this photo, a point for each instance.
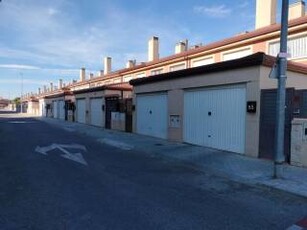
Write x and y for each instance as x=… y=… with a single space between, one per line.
x=279 y=157
x=21 y=92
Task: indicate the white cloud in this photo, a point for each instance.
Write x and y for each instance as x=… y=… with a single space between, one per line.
x=17 y=66
x=220 y=11
x=52 y=11
x=50 y=35
x=39 y=69
x=24 y=82
x=48 y=40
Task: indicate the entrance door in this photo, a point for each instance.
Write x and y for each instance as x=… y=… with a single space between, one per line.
x=268 y=123
x=111 y=106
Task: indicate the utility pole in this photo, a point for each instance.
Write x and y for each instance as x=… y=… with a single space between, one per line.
x=279 y=157
x=21 y=92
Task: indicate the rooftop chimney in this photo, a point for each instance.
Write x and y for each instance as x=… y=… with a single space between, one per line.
x=181 y=47
x=39 y=91
x=91 y=75
x=100 y=73
x=265 y=13
x=297 y=10
x=82 y=74
x=130 y=63
x=107 y=65
x=51 y=86
x=45 y=89
x=60 y=84
x=153 y=49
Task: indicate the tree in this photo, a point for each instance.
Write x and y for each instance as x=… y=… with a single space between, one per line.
x=16 y=100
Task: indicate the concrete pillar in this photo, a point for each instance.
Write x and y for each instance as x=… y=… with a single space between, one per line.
x=297 y=10
x=130 y=63
x=265 y=13
x=107 y=65
x=180 y=47
x=153 y=49
x=82 y=74
x=60 y=84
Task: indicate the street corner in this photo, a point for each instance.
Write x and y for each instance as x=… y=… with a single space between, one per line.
x=299 y=225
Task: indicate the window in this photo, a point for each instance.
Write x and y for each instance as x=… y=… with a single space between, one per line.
x=117 y=80
x=177 y=67
x=156 y=71
x=107 y=82
x=203 y=61
x=127 y=78
x=297 y=47
x=139 y=75
x=236 y=54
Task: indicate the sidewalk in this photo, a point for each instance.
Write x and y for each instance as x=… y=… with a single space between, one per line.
x=235 y=167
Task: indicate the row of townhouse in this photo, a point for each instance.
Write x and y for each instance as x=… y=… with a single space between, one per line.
x=216 y=95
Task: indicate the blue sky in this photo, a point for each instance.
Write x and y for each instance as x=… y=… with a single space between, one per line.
x=42 y=41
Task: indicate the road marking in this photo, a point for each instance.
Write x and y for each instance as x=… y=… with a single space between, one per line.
x=117 y=144
x=20 y=122
x=77 y=157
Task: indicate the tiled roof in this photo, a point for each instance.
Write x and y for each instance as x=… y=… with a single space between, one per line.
x=228 y=41
x=117 y=86
x=251 y=60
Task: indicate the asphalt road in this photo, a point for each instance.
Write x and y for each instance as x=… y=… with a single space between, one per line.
x=120 y=189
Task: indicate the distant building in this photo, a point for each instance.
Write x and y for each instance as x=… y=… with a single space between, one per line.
x=4 y=103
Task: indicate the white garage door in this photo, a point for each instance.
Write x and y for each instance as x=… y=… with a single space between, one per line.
x=61 y=110
x=152 y=115
x=97 y=117
x=42 y=108
x=55 y=109
x=81 y=110
x=216 y=118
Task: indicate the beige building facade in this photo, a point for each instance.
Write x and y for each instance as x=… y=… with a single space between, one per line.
x=238 y=80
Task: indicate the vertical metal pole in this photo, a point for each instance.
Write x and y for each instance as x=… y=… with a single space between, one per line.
x=281 y=93
x=21 y=93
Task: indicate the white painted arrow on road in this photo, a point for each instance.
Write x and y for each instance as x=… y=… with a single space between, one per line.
x=77 y=157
